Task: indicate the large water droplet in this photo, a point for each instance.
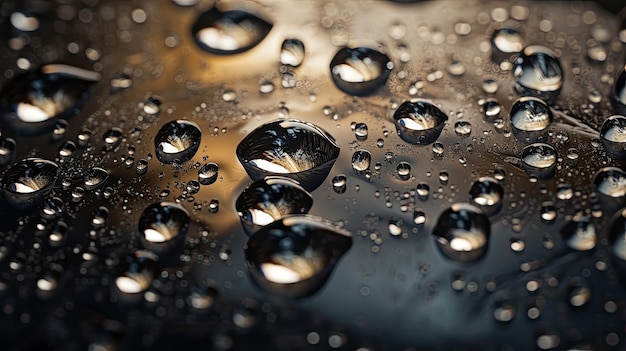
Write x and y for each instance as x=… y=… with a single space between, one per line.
x=136 y=272
x=419 y=121
x=177 y=141
x=292 y=52
x=360 y=71
x=487 y=193
x=538 y=72
x=229 y=32
x=294 y=256
x=361 y=160
x=25 y=184
x=270 y=199
x=292 y=148
x=33 y=102
x=611 y=181
x=613 y=136
x=539 y=160
x=163 y=221
x=579 y=234
x=462 y=232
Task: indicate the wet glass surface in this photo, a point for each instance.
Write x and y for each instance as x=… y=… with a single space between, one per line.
x=312 y=175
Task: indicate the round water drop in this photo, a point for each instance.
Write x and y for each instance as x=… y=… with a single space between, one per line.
x=419 y=121
x=100 y=216
x=463 y=128
x=33 y=102
x=579 y=234
x=538 y=72
x=163 y=221
x=597 y=52
x=152 y=106
x=142 y=166
x=270 y=199
x=507 y=40
x=529 y=114
x=52 y=208
x=295 y=255
x=266 y=87
x=340 y=182
x=292 y=52
x=292 y=148
x=112 y=138
x=490 y=85
x=7 y=150
x=487 y=194
x=505 y=310
x=579 y=292
x=67 y=148
x=613 y=136
x=422 y=191
x=95 y=177
x=25 y=184
x=84 y=137
x=208 y=173
x=136 y=272
x=618 y=95
x=491 y=109
x=177 y=141
x=404 y=170
x=548 y=211
x=203 y=297
x=360 y=71
x=611 y=181
x=462 y=232
x=361 y=160
x=229 y=32
x=539 y=160
x=419 y=217
x=564 y=191
x=456 y=68
x=50 y=278
x=395 y=226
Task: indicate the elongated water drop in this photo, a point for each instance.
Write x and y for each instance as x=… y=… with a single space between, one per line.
x=292 y=52
x=95 y=177
x=360 y=71
x=25 y=184
x=229 y=32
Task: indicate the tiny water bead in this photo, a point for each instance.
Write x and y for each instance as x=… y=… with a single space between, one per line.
x=613 y=136
x=419 y=121
x=539 y=160
x=292 y=52
x=487 y=194
x=229 y=32
x=361 y=160
x=611 y=181
x=33 y=102
x=163 y=221
x=360 y=71
x=27 y=182
x=291 y=148
x=579 y=234
x=136 y=272
x=529 y=114
x=538 y=72
x=295 y=255
x=462 y=232
x=207 y=174
x=95 y=177
x=177 y=141
x=270 y=199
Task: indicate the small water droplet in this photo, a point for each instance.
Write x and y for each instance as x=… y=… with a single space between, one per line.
x=422 y=191
x=564 y=191
x=456 y=68
x=529 y=117
x=505 y=310
x=360 y=71
x=152 y=106
x=538 y=72
x=613 y=136
x=7 y=151
x=112 y=138
x=597 y=52
x=490 y=85
x=203 y=297
x=292 y=148
x=142 y=166
x=120 y=82
x=404 y=170
x=463 y=128
x=24 y=22
x=462 y=232
x=229 y=32
x=487 y=194
x=136 y=272
x=208 y=173
x=547 y=211
x=618 y=95
x=95 y=177
x=163 y=221
x=292 y=52
x=295 y=255
x=361 y=160
x=611 y=181
x=340 y=183
x=419 y=121
x=177 y=141
x=52 y=208
x=579 y=234
x=579 y=292
x=360 y=131
x=266 y=87
x=25 y=184
x=539 y=160
x=419 y=217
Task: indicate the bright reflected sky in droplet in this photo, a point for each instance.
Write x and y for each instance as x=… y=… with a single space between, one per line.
x=154 y=236
x=348 y=73
x=30 y=113
x=169 y=148
x=217 y=39
x=128 y=285
x=279 y=274
x=460 y=244
x=260 y=217
x=46 y=285
x=269 y=166
x=22 y=188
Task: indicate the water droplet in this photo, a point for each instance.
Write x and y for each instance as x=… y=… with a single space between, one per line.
x=539 y=160
x=419 y=121
x=266 y=87
x=422 y=190
x=507 y=40
x=490 y=85
x=50 y=279
x=84 y=136
x=95 y=177
x=270 y=199
x=214 y=205
x=530 y=117
x=419 y=217
x=340 y=183
x=618 y=95
x=463 y=128
x=152 y=106
x=395 y=226
x=33 y=102
x=67 y=148
x=163 y=221
x=229 y=32
x=547 y=211
x=564 y=191
x=120 y=82
x=538 y=72
x=361 y=161
x=136 y=272
x=611 y=181
x=404 y=170
x=360 y=71
x=7 y=150
x=112 y=138
x=25 y=184
x=52 y=208
x=462 y=232
x=292 y=52
x=294 y=256
x=487 y=193
x=24 y=22
x=613 y=136
x=579 y=234
x=292 y=148
x=505 y=310
x=100 y=216
x=203 y=298
x=177 y=141
x=208 y=173
x=444 y=176
x=597 y=52
x=579 y=292
x=360 y=131
x=142 y=166
x=456 y=68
